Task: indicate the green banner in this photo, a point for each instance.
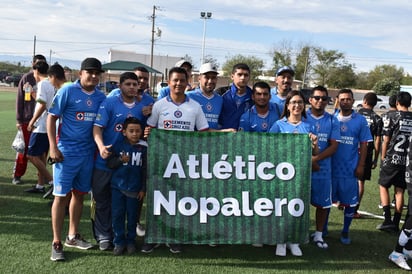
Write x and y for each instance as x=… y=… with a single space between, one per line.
x=228 y=188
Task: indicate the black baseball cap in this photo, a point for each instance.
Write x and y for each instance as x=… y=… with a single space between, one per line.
x=91 y=64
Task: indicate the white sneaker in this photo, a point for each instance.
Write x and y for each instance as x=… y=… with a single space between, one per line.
x=295 y=249
x=399 y=259
x=281 y=250
x=140 y=231
x=407 y=253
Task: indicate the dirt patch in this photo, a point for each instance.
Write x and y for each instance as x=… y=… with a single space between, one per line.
x=8 y=89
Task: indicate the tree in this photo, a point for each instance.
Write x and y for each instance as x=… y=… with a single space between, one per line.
x=210 y=59
x=255 y=64
x=342 y=77
x=387 y=86
x=384 y=71
x=282 y=55
x=327 y=60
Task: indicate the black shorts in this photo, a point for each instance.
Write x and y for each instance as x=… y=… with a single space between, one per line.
x=389 y=176
x=367 y=170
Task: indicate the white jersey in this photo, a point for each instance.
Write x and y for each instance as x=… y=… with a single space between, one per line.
x=45 y=94
x=187 y=116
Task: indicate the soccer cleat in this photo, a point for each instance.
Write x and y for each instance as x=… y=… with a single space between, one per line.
x=175 y=248
x=344 y=238
x=399 y=259
x=281 y=250
x=148 y=248
x=140 y=231
x=35 y=189
x=16 y=181
x=357 y=215
x=387 y=226
x=78 y=242
x=105 y=245
x=57 y=252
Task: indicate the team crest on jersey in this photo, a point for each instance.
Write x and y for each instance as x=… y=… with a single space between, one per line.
x=385 y=121
x=167 y=124
x=317 y=127
x=177 y=114
x=118 y=127
x=80 y=116
x=209 y=107
x=264 y=125
x=343 y=128
x=89 y=102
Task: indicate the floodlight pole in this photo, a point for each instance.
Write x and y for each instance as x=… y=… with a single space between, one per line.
x=204 y=15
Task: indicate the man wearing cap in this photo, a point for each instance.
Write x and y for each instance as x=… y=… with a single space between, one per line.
x=237 y=99
x=284 y=80
x=72 y=152
x=186 y=65
x=205 y=95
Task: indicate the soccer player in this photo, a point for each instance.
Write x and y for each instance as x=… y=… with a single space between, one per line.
x=284 y=80
x=176 y=112
x=187 y=66
x=107 y=130
x=375 y=124
x=237 y=99
x=76 y=106
x=348 y=161
x=326 y=127
x=262 y=115
x=293 y=121
x=397 y=129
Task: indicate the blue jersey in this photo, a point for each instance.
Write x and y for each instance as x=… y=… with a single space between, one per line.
x=234 y=106
x=145 y=100
x=77 y=110
x=275 y=99
x=354 y=130
x=112 y=113
x=283 y=126
x=211 y=106
x=251 y=121
x=114 y=92
x=163 y=92
x=326 y=128
x=130 y=176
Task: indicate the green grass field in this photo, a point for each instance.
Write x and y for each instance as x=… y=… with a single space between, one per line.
x=25 y=236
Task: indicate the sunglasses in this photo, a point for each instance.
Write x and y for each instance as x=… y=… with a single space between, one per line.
x=317 y=98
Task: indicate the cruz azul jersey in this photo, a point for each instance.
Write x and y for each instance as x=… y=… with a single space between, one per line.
x=187 y=116
x=353 y=131
x=111 y=116
x=211 y=106
x=251 y=121
x=76 y=110
x=283 y=126
x=327 y=128
x=398 y=126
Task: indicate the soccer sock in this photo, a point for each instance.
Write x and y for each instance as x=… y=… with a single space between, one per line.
x=71 y=237
x=387 y=213
x=318 y=236
x=397 y=218
x=347 y=220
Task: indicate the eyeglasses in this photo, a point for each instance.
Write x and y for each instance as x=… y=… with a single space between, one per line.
x=296 y=103
x=317 y=98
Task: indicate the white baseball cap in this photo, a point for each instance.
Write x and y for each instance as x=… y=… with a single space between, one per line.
x=208 y=67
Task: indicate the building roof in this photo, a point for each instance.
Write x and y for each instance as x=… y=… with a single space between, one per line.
x=127 y=66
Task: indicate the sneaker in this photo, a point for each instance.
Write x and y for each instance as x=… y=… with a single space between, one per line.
x=140 y=231
x=387 y=226
x=295 y=249
x=35 y=189
x=344 y=238
x=57 y=252
x=118 y=250
x=399 y=259
x=105 y=245
x=281 y=250
x=78 y=242
x=175 y=248
x=48 y=192
x=148 y=248
x=16 y=181
x=407 y=253
x=131 y=249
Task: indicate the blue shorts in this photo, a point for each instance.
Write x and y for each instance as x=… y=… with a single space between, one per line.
x=38 y=144
x=74 y=173
x=321 y=193
x=345 y=190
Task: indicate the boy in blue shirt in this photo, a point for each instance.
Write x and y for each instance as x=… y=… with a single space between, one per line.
x=128 y=184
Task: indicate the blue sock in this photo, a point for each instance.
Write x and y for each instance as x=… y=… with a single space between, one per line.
x=347 y=220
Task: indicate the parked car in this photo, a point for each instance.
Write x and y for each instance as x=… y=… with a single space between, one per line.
x=383 y=103
x=13 y=80
x=3 y=75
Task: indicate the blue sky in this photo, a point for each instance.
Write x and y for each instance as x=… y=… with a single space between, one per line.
x=369 y=33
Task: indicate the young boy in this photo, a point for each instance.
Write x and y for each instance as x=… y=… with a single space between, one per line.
x=128 y=159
